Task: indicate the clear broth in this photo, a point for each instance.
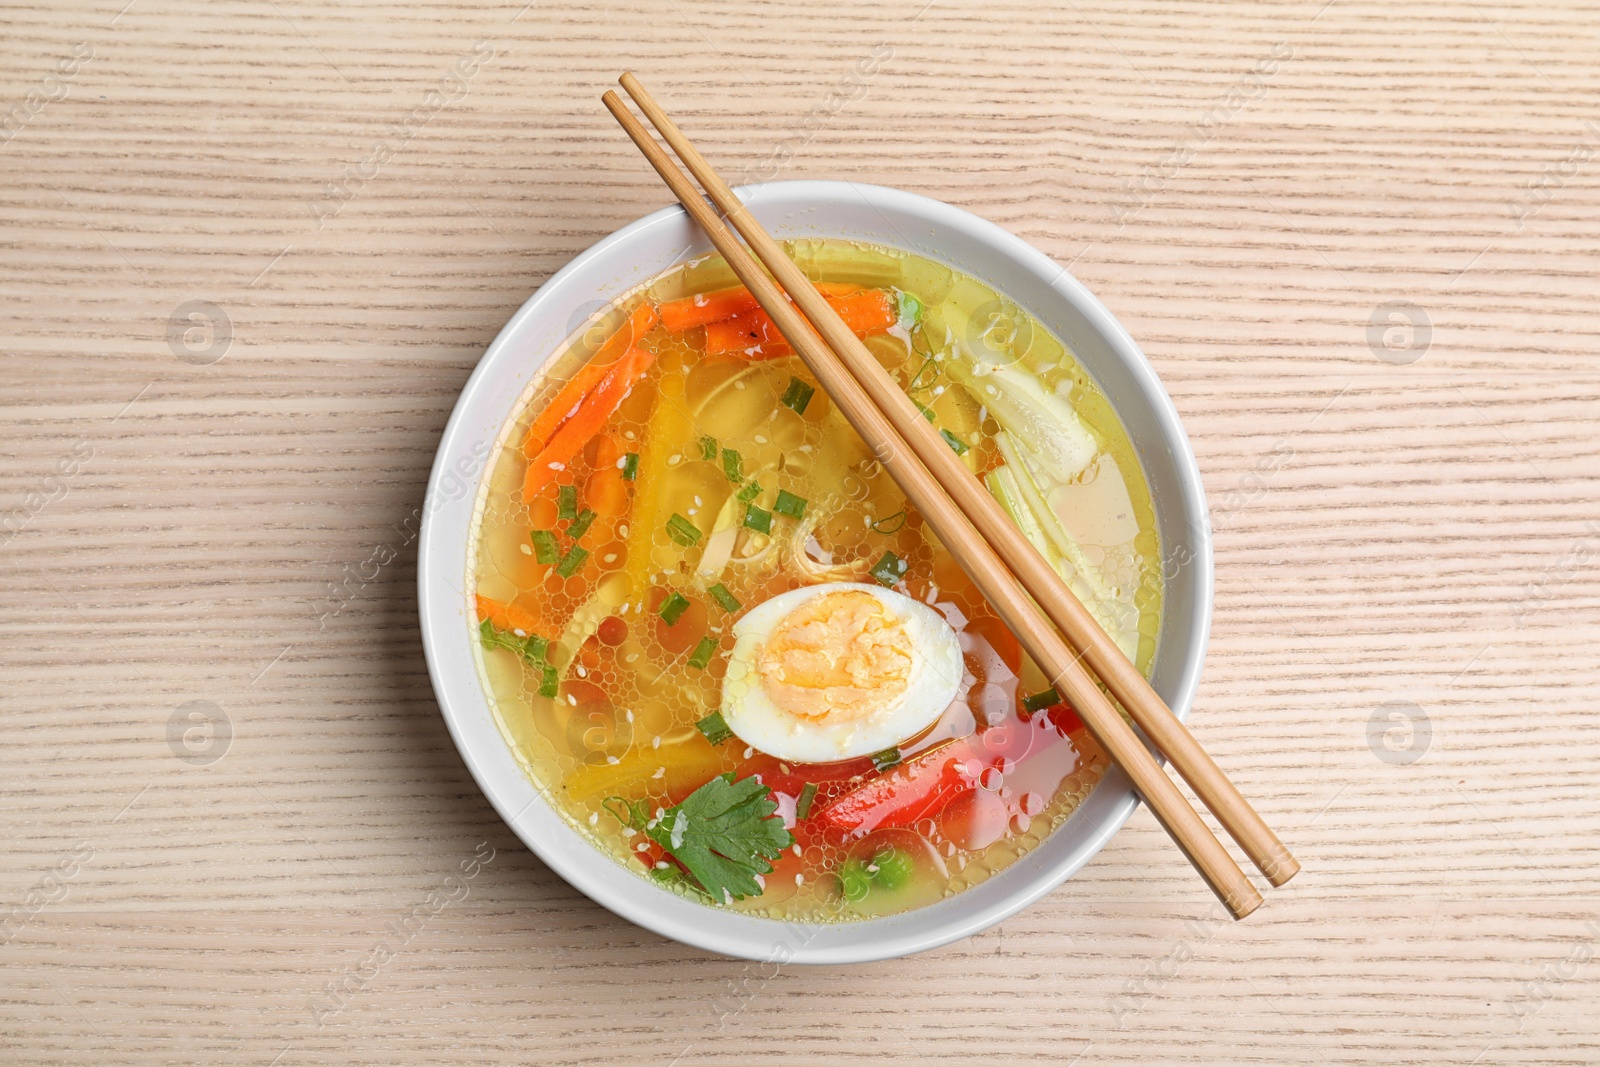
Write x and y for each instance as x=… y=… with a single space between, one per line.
x=623 y=721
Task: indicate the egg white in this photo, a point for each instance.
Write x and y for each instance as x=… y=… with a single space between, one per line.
x=935 y=679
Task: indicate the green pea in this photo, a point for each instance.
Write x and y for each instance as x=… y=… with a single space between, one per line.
x=854 y=881
x=894 y=868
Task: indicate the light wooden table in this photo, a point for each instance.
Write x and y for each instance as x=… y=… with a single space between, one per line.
x=1406 y=519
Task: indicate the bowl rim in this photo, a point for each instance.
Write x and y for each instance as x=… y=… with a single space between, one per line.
x=660 y=910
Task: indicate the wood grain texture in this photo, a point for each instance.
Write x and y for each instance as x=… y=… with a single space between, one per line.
x=1422 y=533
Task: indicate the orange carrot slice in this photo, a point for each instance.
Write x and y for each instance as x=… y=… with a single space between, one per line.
x=697 y=310
x=509 y=617
x=587 y=420
x=605 y=451
x=866 y=311
x=702 y=308
x=567 y=401
x=606 y=492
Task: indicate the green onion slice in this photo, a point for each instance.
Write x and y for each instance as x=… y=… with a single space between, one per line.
x=890 y=523
x=532 y=648
x=720 y=594
x=790 y=505
x=797 y=396
x=545 y=548
x=1039 y=701
x=572 y=561
x=714 y=727
x=701 y=658
x=758 y=519
x=808 y=793
x=888 y=570
x=672 y=608
x=581 y=524
x=683 y=531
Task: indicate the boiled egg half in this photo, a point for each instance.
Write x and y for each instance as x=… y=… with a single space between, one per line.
x=835 y=671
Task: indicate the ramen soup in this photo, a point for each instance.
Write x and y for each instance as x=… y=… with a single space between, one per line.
x=725 y=648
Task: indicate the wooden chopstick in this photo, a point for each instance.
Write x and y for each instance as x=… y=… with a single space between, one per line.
x=970 y=551
x=1125 y=681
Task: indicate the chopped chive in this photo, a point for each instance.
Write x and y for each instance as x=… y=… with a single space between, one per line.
x=572 y=561
x=551 y=683
x=567 y=502
x=581 y=524
x=545 y=549
x=889 y=757
x=890 y=523
x=683 y=531
x=954 y=442
x=703 y=652
x=708 y=448
x=1039 y=701
x=797 y=396
x=758 y=519
x=720 y=594
x=532 y=648
x=888 y=570
x=730 y=466
x=808 y=793
x=630 y=466
x=672 y=608
x=927 y=412
x=749 y=492
x=789 y=504
x=714 y=727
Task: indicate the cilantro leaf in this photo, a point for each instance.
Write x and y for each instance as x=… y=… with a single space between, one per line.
x=724 y=833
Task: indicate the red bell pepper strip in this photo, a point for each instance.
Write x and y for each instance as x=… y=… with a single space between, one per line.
x=923 y=785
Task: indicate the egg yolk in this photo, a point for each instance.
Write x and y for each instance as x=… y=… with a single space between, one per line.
x=836 y=658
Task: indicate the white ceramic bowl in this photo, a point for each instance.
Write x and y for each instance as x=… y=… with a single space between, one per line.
x=637 y=253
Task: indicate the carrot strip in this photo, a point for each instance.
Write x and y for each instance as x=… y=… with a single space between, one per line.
x=697 y=310
x=606 y=451
x=566 y=402
x=702 y=308
x=589 y=419
x=509 y=616
x=866 y=311
x=607 y=493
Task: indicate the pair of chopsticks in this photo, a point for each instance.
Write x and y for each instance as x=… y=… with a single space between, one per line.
x=970 y=524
